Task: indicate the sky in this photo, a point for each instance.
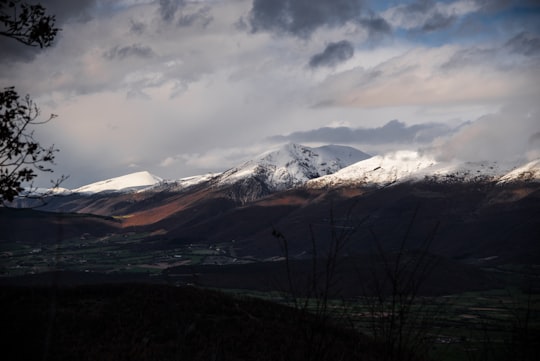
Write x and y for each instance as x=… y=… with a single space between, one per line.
x=186 y=87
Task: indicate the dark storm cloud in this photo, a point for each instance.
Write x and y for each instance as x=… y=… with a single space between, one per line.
x=333 y=54
x=524 y=43
x=168 y=8
x=302 y=17
x=392 y=132
x=79 y=11
x=134 y=50
x=13 y=51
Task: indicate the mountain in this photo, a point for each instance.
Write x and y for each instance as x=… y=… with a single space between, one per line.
x=330 y=166
x=133 y=181
x=288 y=167
x=410 y=166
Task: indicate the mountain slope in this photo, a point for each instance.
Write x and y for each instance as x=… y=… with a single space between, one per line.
x=529 y=172
x=380 y=170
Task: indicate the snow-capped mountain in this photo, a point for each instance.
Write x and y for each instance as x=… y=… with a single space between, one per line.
x=410 y=166
x=129 y=182
x=285 y=168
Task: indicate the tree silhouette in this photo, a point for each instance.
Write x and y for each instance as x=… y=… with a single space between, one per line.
x=20 y=154
x=28 y=24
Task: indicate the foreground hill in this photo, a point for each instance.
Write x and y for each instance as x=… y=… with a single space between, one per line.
x=138 y=322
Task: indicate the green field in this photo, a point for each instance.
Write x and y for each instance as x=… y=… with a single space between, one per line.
x=131 y=252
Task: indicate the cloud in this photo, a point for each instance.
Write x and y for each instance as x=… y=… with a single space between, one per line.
x=168 y=8
x=302 y=17
x=524 y=43
x=201 y=16
x=215 y=159
x=392 y=132
x=137 y=27
x=436 y=76
x=505 y=57
x=502 y=136
x=333 y=54
x=135 y=50
x=498 y=5
x=148 y=53
x=535 y=138
x=438 y=21
x=428 y=15
x=375 y=25
x=70 y=11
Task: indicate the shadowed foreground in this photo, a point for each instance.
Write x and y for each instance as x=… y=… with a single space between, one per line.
x=152 y=322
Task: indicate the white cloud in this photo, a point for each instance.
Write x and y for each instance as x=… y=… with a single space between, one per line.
x=422 y=77
x=502 y=136
x=420 y=13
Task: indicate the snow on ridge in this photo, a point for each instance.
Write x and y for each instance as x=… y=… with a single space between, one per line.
x=457 y=171
x=529 y=172
x=131 y=181
x=379 y=170
x=410 y=166
x=186 y=182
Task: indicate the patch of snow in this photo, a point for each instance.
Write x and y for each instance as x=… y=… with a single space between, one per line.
x=129 y=182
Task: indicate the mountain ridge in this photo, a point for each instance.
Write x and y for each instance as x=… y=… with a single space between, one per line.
x=294 y=165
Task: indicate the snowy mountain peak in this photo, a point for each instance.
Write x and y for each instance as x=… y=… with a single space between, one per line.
x=129 y=182
x=290 y=166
